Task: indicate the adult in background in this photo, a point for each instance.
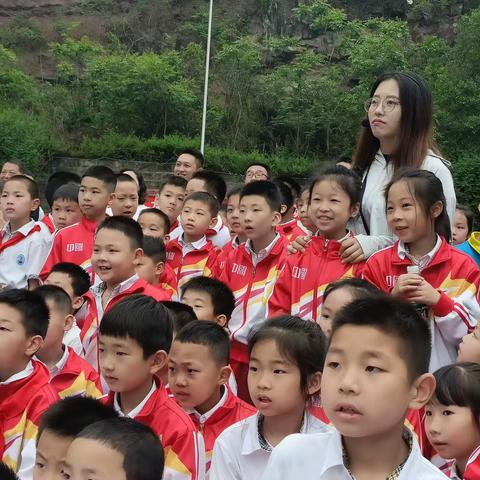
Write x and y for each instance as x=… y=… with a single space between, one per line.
x=11 y=168
x=188 y=162
x=257 y=171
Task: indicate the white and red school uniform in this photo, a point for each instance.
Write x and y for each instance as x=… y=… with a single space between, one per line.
x=233 y=244
x=240 y=453
x=292 y=229
x=449 y=467
x=137 y=213
x=48 y=221
x=22 y=253
x=219 y=235
x=451 y=272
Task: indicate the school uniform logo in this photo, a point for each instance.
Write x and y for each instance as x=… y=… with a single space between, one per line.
x=74 y=247
x=20 y=259
x=391 y=280
x=299 y=273
x=239 y=269
x=170 y=256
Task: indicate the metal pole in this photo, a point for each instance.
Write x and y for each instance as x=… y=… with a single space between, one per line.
x=207 y=72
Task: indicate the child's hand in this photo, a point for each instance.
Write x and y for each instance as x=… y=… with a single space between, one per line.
x=425 y=294
x=406 y=284
x=351 y=251
x=299 y=244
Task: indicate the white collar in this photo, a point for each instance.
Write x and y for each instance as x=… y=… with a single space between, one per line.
x=264 y=252
x=121 y=287
x=19 y=375
x=24 y=230
x=218 y=224
x=403 y=251
x=203 y=418
x=138 y=408
x=58 y=367
x=199 y=244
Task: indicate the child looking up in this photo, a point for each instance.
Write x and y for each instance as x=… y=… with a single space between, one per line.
x=154 y=223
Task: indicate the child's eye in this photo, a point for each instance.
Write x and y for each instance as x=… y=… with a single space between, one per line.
x=191 y=370
x=171 y=369
x=40 y=465
x=333 y=365
x=372 y=369
x=101 y=350
x=122 y=354
x=278 y=371
x=252 y=369
x=4 y=329
x=428 y=413
x=447 y=413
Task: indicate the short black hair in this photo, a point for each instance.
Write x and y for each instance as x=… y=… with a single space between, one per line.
x=265 y=189
x=174 y=180
x=286 y=195
x=234 y=191
x=6 y=473
x=223 y=300
x=142 y=186
x=32 y=309
x=294 y=186
x=467 y=211
x=197 y=154
x=301 y=342
x=123 y=177
x=104 y=174
x=143 y=456
x=459 y=385
x=180 y=314
x=56 y=180
x=210 y=334
x=57 y=295
x=80 y=279
x=358 y=287
x=32 y=186
x=154 y=248
x=395 y=318
x=214 y=183
x=158 y=213
x=142 y=319
x=68 y=192
x=68 y=417
x=209 y=200
x=129 y=227
x=18 y=163
x=259 y=164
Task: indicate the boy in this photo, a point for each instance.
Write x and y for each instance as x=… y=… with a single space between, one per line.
x=135 y=337
x=171 y=197
x=59 y=426
x=152 y=267
x=75 y=243
x=290 y=227
x=25 y=392
x=115 y=449
x=125 y=202
x=24 y=243
x=214 y=184
x=198 y=374
x=251 y=270
x=6 y=473
x=188 y=162
x=376 y=369
x=210 y=299
x=65 y=208
x=155 y=223
x=180 y=314
x=70 y=374
x=116 y=251
x=192 y=254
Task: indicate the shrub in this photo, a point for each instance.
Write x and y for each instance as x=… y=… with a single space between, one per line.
x=465 y=175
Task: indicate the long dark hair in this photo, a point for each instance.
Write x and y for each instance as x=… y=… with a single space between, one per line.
x=427 y=190
x=416 y=124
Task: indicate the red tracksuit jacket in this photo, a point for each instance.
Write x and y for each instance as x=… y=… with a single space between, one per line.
x=184 y=454
x=89 y=332
x=48 y=221
x=455 y=275
x=22 y=403
x=291 y=230
x=72 y=244
x=168 y=281
x=77 y=378
x=299 y=288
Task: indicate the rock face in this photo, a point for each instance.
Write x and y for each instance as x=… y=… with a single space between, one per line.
x=34 y=7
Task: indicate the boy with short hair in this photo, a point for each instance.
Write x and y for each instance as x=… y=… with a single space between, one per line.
x=135 y=337
x=210 y=299
x=25 y=392
x=192 y=254
x=170 y=198
x=376 y=369
x=59 y=426
x=75 y=243
x=180 y=314
x=70 y=374
x=24 y=243
x=214 y=184
x=6 y=473
x=116 y=251
x=65 y=208
x=198 y=373
x=251 y=270
x=125 y=202
x=155 y=223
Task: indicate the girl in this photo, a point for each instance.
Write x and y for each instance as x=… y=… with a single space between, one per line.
x=469 y=349
x=333 y=202
x=452 y=420
x=286 y=361
x=422 y=268
x=462 y=225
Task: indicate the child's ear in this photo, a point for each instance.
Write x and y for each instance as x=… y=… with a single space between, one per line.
x=166 y=238
x=138 y=254
x=283 y=209
x=436 y=209
x=221 y=320
x=35 y=204
x=354 y=210
x=159 y=268
x=224 y=376
x=33 y=345
x=77 y=303
x=159 y=360
x=68 y=323
x=111 y=197
x=422 y=390
x=276 y=219
x=213 y=222
x=314 y=382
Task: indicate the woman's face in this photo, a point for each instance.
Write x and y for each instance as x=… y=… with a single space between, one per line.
x=385 y=112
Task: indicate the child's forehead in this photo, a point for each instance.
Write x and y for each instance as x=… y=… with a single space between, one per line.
x=254 y=200
x=172 y=188
x=152 y=218
x=124 y=185
x=196 y=204
x=15 y=185
x=65 y=201
x=191 y=352
x=197 y=293
x=125 y=341
x=111 y=236
x=92 y=182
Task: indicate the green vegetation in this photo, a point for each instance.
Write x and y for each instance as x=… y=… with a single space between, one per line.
x=138 y=92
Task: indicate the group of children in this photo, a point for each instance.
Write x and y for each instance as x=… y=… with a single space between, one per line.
x=174 y=341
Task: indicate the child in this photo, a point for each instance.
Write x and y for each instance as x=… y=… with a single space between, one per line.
x=334 y=201
x=180 y=315
x=118 y=448
x=6 y=473
x=214 y=184
x=286 y=360
x=24 y=243
x=445 y=286
x=251 y=270
x=117 y=248
x=192 y=254
x=198 y=374
x=154 y=223
x=65 y=208
x=135 y=337
x=462 y=225
x=171 y=197
x=210 y=299
x=70 y=374
x=125 y=202
x=290 y=227
x=304 y=212
x=375 y=370
x=469 y=348
x=25 y=392
x=59 y=426
x=452 y=418
x=75 y=243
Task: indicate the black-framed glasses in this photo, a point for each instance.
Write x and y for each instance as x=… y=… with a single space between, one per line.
x=388 y=104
